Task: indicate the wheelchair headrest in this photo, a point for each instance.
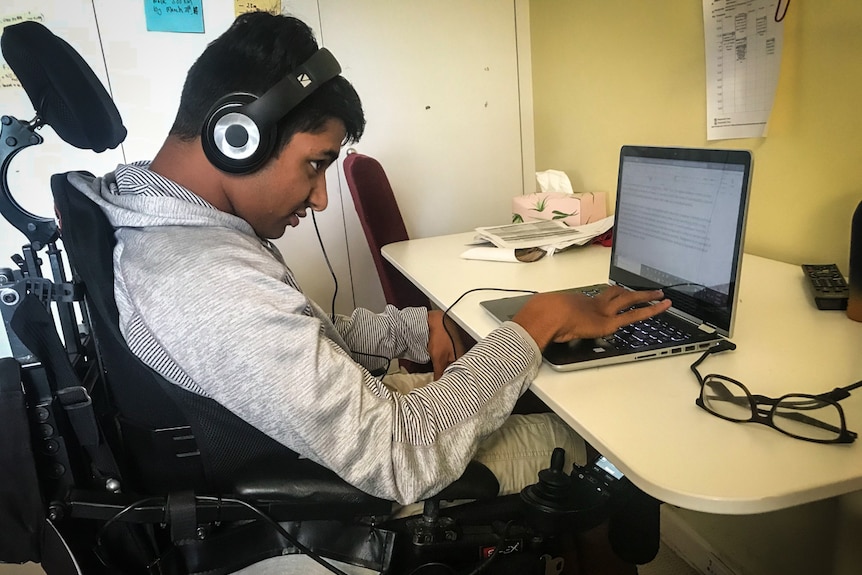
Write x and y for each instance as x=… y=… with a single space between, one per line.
x=64 y=91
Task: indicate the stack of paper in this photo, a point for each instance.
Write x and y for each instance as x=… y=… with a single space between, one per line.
x=550 y=235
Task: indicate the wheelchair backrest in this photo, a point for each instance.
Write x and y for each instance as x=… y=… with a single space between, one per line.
x=174 y=438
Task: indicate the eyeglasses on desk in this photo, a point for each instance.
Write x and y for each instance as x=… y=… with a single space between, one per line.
x=818 y=418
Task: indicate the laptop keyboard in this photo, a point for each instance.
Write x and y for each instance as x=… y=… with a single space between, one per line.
x=644 y=333
x=652 y=331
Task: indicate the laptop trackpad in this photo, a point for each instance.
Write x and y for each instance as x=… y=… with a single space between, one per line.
x=578 y=350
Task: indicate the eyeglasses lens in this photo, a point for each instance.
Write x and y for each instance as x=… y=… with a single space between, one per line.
x=808 y=417
x=726 y=398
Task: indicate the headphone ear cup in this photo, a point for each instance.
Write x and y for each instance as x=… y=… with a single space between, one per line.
x=235 y=142
x=232 y=141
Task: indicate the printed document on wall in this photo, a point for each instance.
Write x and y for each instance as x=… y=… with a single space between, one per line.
x=743 y=58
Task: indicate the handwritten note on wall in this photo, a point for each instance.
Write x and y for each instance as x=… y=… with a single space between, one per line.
x=8 y=79
x=243 y=6
x=175 y=16
x=9 y=19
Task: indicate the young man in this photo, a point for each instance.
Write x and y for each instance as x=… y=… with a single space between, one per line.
x=240 y=330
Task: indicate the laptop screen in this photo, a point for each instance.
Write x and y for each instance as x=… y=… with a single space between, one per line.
x=680 y=223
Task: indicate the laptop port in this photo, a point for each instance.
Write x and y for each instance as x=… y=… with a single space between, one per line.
x=689 y=348
x=676 y=350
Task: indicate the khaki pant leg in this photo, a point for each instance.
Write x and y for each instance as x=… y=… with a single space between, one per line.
x=523 y=445
x=404 y=382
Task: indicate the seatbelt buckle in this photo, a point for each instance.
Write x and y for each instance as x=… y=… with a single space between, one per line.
x=74 y=397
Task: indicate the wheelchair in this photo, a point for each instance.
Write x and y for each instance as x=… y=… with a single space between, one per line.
x=108 y=468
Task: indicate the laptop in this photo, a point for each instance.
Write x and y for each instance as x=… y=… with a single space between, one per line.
x=679 y=226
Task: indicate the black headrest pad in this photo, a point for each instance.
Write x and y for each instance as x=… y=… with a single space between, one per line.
x=64 y=91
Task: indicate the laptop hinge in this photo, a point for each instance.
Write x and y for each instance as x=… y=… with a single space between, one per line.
x=707 y=328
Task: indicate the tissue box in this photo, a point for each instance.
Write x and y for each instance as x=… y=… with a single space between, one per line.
x=573 y=209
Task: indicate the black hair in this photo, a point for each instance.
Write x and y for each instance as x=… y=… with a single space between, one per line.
x=257 y=51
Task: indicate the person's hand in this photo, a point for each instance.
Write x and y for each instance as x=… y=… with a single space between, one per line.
x=564 y=316
x=440 y=345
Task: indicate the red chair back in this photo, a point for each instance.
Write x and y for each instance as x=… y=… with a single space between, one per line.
x=382 y=223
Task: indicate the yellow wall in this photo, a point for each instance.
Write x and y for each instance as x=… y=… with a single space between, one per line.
x=614 y=72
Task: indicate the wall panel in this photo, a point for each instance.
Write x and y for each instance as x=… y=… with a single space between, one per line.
x=441 y=83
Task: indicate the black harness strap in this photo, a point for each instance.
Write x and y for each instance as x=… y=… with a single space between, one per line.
x=21 y=508
x=35 y=328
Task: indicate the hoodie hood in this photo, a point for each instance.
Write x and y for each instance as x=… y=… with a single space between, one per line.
x=134 y=197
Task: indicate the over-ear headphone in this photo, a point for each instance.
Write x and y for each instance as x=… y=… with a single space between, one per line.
x=240 y=131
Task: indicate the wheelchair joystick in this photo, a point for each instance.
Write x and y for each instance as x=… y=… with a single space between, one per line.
x=561 y=502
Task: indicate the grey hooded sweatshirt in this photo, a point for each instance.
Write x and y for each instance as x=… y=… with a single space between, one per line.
x=214 y=309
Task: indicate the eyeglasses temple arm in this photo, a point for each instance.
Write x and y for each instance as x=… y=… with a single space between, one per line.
x=802 y=418
x=723 y=345
x=840 y=393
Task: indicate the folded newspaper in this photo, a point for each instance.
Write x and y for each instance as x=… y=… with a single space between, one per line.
x=549 y=235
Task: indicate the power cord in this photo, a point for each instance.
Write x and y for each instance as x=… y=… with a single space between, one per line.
x=460 y=297
x=378 y=373
x=439 y=567
x=218 y=500
x=499 y=547
x=99 y=550
x=281 y=531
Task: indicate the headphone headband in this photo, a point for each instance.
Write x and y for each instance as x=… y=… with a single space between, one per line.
x=239 y=133
x=293 y=88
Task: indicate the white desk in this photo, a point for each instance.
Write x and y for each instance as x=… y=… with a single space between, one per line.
x=643 y=417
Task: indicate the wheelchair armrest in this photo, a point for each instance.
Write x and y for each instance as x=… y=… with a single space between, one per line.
x=305 y=483
x=306 y=487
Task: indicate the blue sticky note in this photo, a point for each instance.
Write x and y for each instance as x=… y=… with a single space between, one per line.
x=174 y=15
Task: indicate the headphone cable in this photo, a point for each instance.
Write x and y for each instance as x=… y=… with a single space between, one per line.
x=377 y=373
x=328 y=264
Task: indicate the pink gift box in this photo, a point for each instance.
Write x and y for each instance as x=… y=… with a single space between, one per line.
x=573 y=209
